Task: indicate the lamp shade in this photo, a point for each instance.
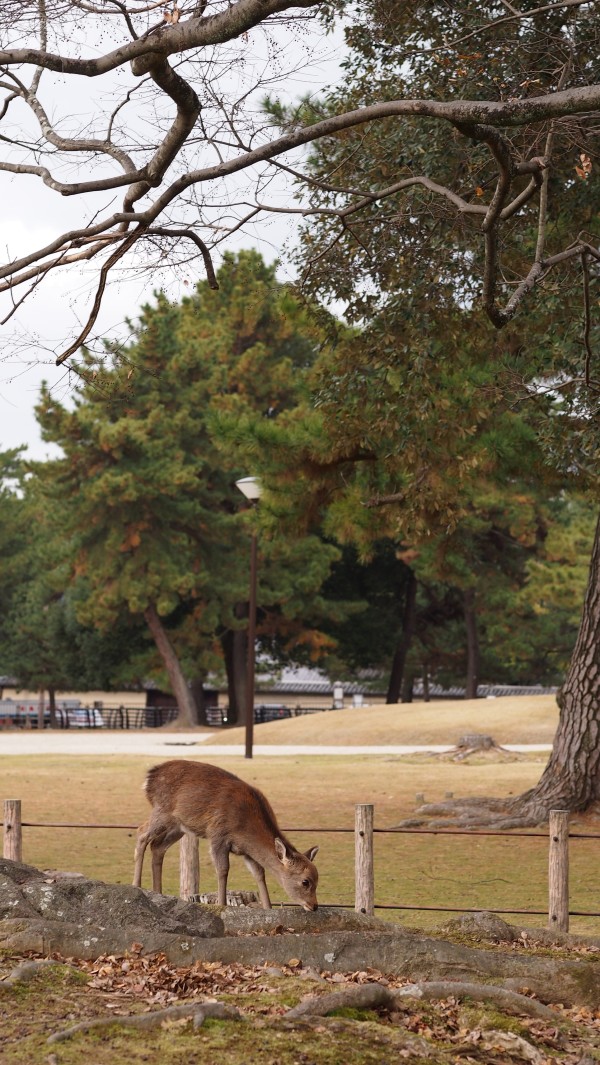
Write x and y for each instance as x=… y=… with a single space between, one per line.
x=250 y=487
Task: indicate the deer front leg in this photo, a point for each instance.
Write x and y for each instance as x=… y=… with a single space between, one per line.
x=259 y=875
x=219 y=853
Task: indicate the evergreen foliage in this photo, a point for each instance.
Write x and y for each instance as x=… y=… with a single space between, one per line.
x=150 y=509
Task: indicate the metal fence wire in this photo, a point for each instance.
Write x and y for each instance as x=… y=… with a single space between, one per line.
x=558 y=837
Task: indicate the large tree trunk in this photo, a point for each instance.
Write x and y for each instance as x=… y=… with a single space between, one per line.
x=41 y=709
x=472 y=645
x=235 y=652
x=571 y=780
x=187 y=715
x=408 y=687
x=52 y=707
x=408 y=626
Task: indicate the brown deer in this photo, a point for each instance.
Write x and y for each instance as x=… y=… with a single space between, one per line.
x=234 y=817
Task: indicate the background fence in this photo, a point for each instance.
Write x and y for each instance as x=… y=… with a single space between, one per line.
x=135 y=717
x=558 y=836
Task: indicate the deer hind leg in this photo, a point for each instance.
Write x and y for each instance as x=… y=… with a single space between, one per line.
x=144 y=834
x=159 y=845
x=219 y=853
x=160 y=836
x=259 y=875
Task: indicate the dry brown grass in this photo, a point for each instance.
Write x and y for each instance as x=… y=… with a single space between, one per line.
x=514 y=719
x=318 y=793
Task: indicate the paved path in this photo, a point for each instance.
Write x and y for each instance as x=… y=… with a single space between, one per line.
x=159 y=744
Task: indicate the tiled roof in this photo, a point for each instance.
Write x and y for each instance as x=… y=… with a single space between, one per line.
x=311 y=682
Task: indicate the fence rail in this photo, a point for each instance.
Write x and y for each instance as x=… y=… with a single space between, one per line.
x=136 y=717
x=558 y=836
x=89 y=717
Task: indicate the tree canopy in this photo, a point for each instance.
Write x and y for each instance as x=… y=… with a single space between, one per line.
x=150 y=513
x=510 y=93
x=460 y=420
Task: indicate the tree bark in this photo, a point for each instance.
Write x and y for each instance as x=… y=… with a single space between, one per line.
x=187 y=715
x=571 y=780
x=40 y=711
x=408 y=687
x=235 y=651
x=52 y=706
x=472 y=645
x=408 y=626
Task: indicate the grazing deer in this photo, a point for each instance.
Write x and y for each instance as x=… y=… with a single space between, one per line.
x=234 y=817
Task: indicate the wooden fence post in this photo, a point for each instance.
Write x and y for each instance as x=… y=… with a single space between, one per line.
x=189 y=866
x=558 y=871
x=364 y=880
x=13 y=837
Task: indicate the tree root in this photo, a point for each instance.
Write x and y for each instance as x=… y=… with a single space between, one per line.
x=375 y=996
x=363 y=997
x=26 y=971
x=474 y=743
x=499 y=996
x=473 y=813
x=528 y=810
x=378 y=996
x=199 y=1011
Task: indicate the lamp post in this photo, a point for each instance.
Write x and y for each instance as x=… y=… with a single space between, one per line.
x=251 y=489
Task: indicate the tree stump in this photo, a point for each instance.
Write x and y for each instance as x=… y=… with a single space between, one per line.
x=473 y=743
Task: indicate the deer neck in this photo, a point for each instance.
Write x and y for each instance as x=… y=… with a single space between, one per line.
x=262 y=850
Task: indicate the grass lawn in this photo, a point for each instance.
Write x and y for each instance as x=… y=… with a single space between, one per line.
x=316 y=793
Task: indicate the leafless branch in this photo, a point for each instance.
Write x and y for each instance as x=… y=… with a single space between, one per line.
x=127 y=243
x=178 y=138
x=187 y=234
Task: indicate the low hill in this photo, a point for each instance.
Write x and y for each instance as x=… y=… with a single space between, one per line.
x=511 y=719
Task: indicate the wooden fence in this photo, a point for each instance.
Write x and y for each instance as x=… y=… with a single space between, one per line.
x=364 y=876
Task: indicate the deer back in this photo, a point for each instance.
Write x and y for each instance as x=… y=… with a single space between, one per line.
x=220 y=807
x=213 y=803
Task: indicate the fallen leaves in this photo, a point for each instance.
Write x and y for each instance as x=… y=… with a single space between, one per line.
x=157 y=980
x=138 y=987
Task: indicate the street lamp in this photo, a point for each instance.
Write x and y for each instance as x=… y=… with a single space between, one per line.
x=251 y=488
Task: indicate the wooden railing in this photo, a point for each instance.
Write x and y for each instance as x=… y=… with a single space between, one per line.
x=558 y=837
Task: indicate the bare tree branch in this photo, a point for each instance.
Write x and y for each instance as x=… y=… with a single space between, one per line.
x=187 y=234
x=127 y=243
x=187 y=139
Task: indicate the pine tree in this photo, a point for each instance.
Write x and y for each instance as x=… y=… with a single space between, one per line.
x=154 y=520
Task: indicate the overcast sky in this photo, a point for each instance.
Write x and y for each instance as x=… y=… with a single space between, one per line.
x=31 y=215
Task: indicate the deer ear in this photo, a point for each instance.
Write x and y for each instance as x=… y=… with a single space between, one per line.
x=311 y=854
x=281 y=852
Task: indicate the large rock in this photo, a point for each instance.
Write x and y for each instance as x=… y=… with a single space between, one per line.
x=92 y=906
x=483 y=926
x=251 y=921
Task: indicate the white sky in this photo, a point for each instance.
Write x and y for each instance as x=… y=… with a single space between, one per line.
x=31 y=215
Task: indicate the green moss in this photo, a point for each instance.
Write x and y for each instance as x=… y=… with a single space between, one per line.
x=482 y=1017
x=354 y=1014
